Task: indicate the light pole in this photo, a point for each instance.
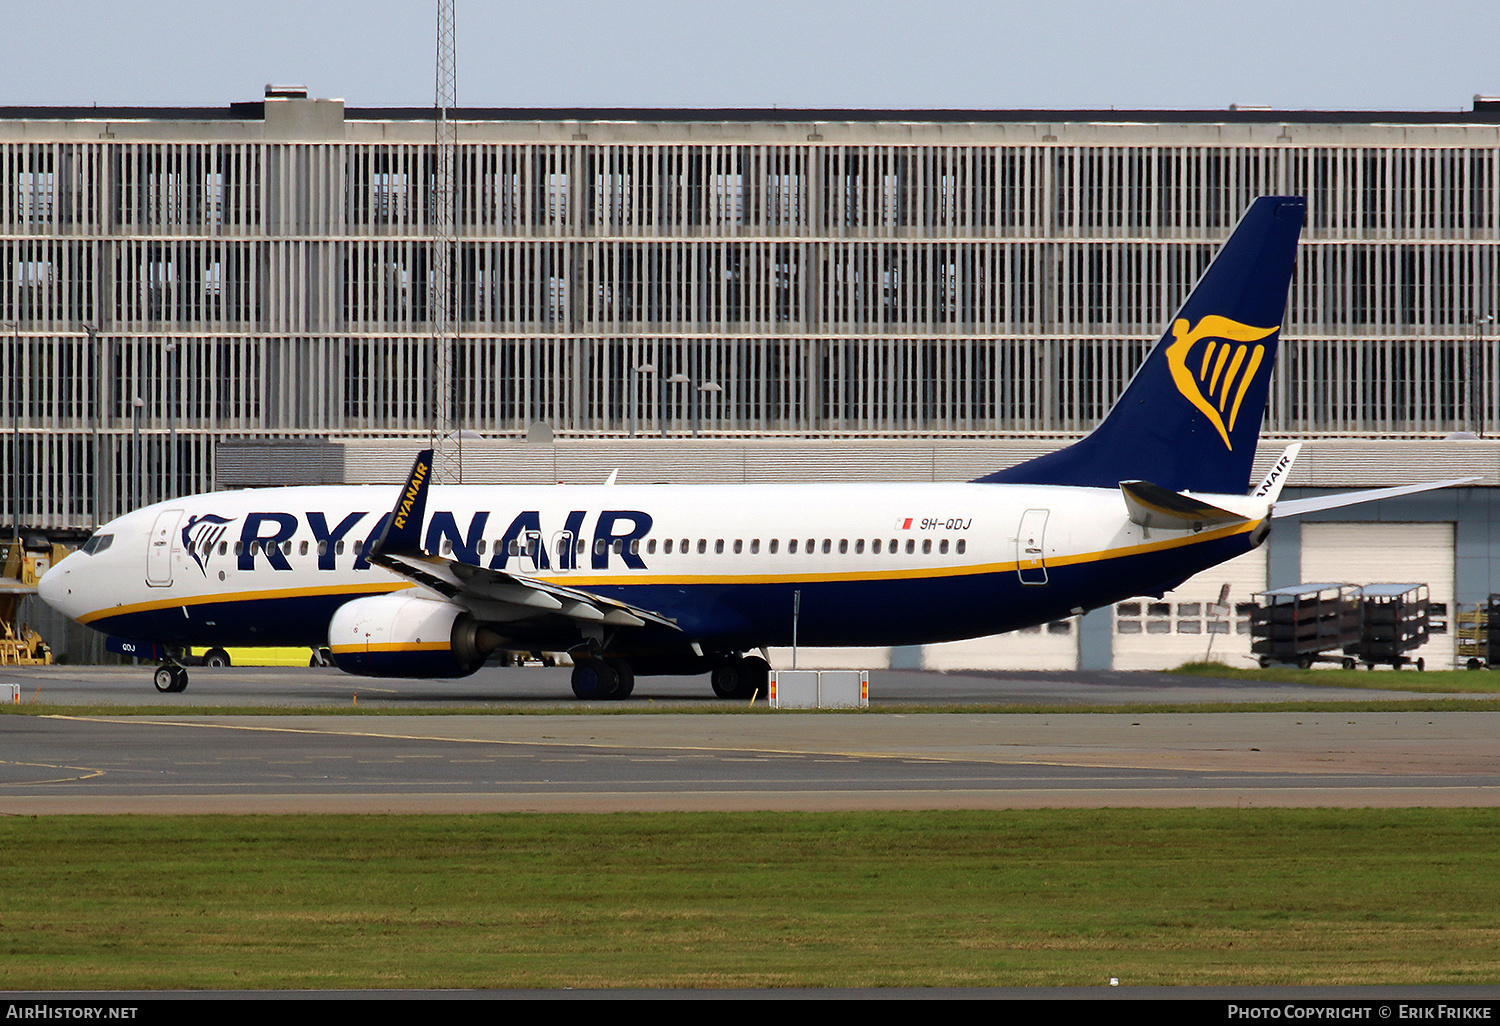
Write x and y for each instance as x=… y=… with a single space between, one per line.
x=172 y=393
x=1477 y=373
x=675 y=379
x=97 y=360
x=645 y=368
x=707 y=386
x=137 y=493
x=15 y=434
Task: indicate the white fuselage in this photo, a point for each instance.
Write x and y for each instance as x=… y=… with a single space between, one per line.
x=867 y=564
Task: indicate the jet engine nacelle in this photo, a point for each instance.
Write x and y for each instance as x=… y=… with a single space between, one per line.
x=403 y=635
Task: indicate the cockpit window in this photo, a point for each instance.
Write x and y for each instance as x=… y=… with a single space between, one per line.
x=97 y=543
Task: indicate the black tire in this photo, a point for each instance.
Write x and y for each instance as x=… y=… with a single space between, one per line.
x=1349 y=664
x=593 y=680
x=216 y=657
x=1472 y=664
x=624 y=678
x=180 y=679
x=740 y=678
x=1421 y=665
x=756 y=673
x=165 y=680
x=725 y=680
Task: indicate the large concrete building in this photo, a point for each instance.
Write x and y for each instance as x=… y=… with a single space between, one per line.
x=198 y=298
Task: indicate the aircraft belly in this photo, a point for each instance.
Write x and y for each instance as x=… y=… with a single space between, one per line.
x=913 y=611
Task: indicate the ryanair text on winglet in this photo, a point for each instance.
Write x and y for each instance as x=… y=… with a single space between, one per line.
x=409 y=497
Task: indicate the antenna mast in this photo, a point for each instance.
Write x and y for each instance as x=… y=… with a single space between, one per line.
x=448 y=452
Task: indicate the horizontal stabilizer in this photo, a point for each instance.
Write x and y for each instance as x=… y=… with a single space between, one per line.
x=1154 y=506
x=1296 y=507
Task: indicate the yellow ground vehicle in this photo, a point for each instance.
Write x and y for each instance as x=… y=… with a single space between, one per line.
x=256 y=657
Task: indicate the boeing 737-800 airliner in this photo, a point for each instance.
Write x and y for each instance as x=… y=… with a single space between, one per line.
x=428 y=580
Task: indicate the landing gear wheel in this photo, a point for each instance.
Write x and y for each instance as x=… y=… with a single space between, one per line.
x=725 y=681
x=593 y=680
x=1472 y=664
x=624 y=678
x=756 y=673
x=740 y=678
x=216 y=657
x=1349 y=664
x=171 y=679
x=1421 y=665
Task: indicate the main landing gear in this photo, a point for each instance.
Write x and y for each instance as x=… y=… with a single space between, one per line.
x=171 y=678
x=741 y=677
x=595 y=678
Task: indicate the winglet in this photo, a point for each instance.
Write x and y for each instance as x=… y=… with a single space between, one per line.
x=1270 y=488
x=403 y=528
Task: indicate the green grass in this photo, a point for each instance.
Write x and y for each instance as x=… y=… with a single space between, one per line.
x=737 y=900
x=1454 y=682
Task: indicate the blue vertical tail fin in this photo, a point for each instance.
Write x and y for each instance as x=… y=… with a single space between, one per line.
x=1190 y=418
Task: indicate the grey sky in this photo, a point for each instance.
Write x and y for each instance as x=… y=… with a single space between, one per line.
x=668 y=53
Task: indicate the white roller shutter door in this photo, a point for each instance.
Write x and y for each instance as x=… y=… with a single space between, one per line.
x=1365 y=553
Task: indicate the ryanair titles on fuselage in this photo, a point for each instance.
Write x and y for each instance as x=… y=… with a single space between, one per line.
x=263 y=534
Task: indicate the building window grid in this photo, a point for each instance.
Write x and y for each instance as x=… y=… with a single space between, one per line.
x=967 y=289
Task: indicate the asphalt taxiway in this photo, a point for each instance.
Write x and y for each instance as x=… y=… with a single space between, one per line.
x=694 y=753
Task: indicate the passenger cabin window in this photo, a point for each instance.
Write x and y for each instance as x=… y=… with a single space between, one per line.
x=791 y=546
x=774 y=543
x=961 y=546
x=875 y=546
x=702 y=546
x=754 y=546
x=667 y=548
x=739 y=546
x=719 y=547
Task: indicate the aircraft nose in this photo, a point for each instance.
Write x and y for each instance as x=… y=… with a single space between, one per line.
x=53 y=587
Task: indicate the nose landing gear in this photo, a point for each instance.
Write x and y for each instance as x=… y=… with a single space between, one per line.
x=171 y=678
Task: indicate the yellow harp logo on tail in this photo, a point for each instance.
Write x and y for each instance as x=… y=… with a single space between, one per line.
x=1216 y=378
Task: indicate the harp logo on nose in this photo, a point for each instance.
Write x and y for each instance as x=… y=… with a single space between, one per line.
x=1213 y=364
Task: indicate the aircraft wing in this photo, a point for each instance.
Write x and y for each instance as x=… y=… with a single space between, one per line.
x=399 y=550
x=526 y=596
x=1295 y=507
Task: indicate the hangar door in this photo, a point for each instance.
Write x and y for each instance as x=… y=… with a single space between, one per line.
x=1365 y=553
